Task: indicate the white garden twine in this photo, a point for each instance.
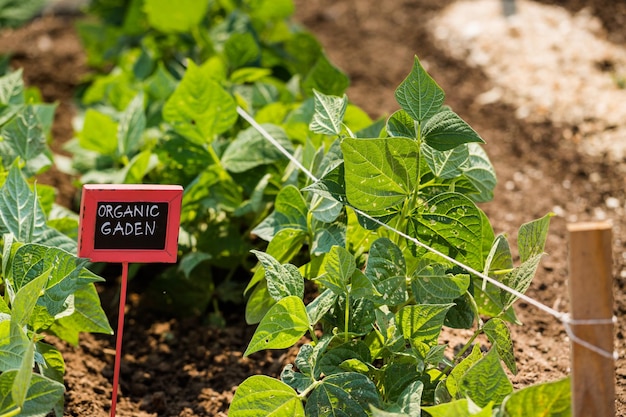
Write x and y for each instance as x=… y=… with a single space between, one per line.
x=564 y=318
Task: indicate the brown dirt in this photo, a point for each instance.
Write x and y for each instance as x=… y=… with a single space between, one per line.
x=187 y=368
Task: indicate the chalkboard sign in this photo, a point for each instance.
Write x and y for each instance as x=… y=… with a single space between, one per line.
x=129 y=223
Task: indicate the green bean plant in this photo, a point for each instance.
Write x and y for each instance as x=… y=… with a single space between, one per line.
x=396 y=248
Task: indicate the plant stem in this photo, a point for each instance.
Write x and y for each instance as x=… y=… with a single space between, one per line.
x=347 y=318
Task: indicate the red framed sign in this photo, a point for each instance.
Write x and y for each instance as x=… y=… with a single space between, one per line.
x=129 y=222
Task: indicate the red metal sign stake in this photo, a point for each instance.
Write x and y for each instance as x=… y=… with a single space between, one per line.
x=120 y=333
x=128 y=223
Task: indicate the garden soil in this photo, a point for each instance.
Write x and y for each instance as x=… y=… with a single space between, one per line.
x=186 y=367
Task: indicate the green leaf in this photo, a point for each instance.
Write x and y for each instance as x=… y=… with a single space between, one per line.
x=421 y=324
x=460 y=408
x=331 y=185
x=21 y=384
x=339 y=265
x=260 y=396
x=283 y=325
x=519 y=279
x=172 y=17
x=12 y=88
x=131 y=127
x=500 y=336
x=452 y=224
x=88 y=316
x=489 y=297
x=410 y=399
x=19 y=212
x=282 y=280
x=325 y=78
x=549 y=399
x=333 y=359
x=13 y=345
x=250 y=149
x=386 y=268
x=486 y=381
x=329 y=112
x=433 y=285
x=43 y=393
x=480 y=172
x=453 y=382
x=27 y=296
x=401 y=124
x=446 y=130
x=379 y=173
x=325 y=235
x=199 y=109
x=283 y=247
x=99 y=133
x=344 y=394
x=446 y=164
x=64 y=269
x=320 y=305
x=531 y=238
x=259 y=303
x=290 y=212
x=23 y=137
x=242 y=50
x=419 y=95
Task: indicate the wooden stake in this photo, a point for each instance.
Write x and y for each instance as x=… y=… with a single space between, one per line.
x=591 y=304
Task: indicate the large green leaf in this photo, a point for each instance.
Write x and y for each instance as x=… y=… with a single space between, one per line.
x=172 y=17
x=486 y=381
x=20 y=213
x=550 y=399
x=261 y=396
x=250 y=149
x=379 y=173
x=446 y=130
x=419 y=95
x=199 y=109
x=452 y=224
x=344 y=394
x=283 y=325
x=329 y=112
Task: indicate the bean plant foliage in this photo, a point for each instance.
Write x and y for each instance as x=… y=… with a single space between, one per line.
x=163 y=105
x=372 y=345
x=45 y=288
